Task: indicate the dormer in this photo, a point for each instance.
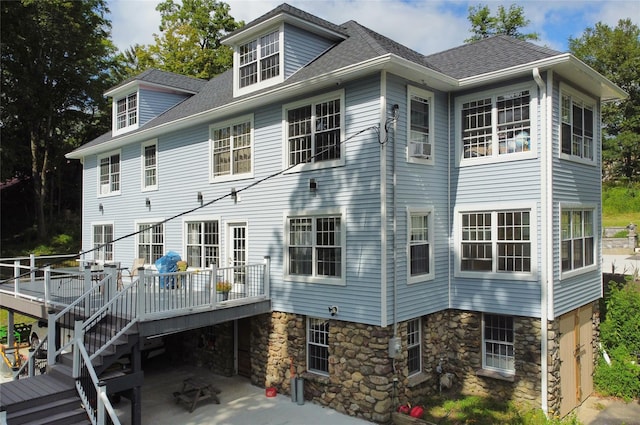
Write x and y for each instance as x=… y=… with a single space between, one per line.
x=141 y=98
x=271 y=48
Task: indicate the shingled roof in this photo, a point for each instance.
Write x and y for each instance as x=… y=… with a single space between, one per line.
x=166 y=79
x=359 y=45
x=487 y=55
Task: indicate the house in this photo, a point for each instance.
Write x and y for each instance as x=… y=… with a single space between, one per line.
x=432 y=221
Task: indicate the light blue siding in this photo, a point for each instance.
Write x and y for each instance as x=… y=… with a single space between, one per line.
x=300 y=48
x=575 y=184
x=152 y=103
x=484 y=187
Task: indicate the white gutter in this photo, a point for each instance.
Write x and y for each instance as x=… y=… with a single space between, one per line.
x=449 y=209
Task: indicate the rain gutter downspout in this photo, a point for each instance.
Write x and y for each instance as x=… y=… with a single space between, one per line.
x=394 y=109
x=546 y=277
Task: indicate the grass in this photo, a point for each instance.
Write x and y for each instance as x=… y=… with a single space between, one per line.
x=620 y=219
x=485 y=411
x=17 y=318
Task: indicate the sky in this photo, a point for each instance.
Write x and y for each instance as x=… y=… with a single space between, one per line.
x=427 y=26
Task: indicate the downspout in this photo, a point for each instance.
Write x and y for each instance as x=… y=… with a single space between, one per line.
x=394 y=111
x=449 y=221
x=545 y=242
x=383 y=206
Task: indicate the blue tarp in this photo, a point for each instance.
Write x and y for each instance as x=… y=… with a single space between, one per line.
x=168 y=263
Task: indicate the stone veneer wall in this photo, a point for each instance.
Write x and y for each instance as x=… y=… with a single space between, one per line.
x=364 y=382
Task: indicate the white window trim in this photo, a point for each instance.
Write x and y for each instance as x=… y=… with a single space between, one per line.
x=504 y=372
x=308 y=342
x=200 y=219
x=103 y=223
x=143 y=166
x=427 y=276
x=98 y=159
x=114 y=115
x=149 y=221
x=419 y=345
x=565 y=88
x=494 y=208
x=315 y=165
x=496 y=157
x=239 y=91
x=596 y=239
x=415 y=91
x=229 y=123
x=342 y=280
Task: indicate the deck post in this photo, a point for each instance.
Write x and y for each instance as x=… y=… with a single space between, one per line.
x=32 y=362
x=110 y=284
x=212 y=284
x=51 y=339
x=142 y=283
x=87 y=288
x=267 y=273
x=102 y=393
x=47 y=285
x=32 y=267
x=16 y=276
x=78 y=338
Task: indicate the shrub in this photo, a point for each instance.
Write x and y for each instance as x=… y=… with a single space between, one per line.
x=621 y=326
x=621 y=378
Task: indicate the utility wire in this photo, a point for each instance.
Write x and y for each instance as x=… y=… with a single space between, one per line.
x=375 y=128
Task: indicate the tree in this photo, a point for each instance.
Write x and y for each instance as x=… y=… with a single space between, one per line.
x=506 y=22
x=615 y=53
x=189 y=43
x=55 y=60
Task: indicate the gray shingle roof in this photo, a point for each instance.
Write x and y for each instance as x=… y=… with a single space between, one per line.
x=487 y=55
x=167 y=79
x=361 y=44
x=293 y=11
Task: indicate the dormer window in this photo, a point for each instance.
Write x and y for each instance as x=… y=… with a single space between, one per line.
x=259 y=59
x=127 y=111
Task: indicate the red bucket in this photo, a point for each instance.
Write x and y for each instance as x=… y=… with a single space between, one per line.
x=271 y=392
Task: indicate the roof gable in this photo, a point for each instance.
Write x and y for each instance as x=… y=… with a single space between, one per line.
x=165 y=79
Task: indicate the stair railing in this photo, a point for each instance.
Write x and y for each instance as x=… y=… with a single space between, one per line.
x=92 y=392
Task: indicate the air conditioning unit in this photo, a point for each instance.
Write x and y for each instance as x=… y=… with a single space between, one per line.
x=420 y=150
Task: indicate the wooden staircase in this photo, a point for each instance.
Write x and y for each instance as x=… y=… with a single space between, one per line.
x=52 y=398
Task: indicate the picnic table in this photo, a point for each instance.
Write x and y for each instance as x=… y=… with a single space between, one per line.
x=196 y=389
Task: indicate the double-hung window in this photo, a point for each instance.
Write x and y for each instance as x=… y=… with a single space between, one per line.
x=496 y=241
x=414 y=342
x=420 y=245
x=314 y=130
x=102 y=242
x=578 y=239
x=127 y=111
x=231 y=148
x=109 y=174
x=420 y=145
x=203 y=243
x=150 y=244
x=150 y=165
x=315 y=247
x=578 y=125
x=318 y=345
x=498 y=343
x=259 y=59
x=496 y=125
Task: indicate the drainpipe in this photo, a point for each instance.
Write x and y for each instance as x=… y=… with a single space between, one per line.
x=394 y=111
x=546 y=277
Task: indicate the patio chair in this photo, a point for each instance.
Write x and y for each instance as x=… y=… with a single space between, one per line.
x=131 y=273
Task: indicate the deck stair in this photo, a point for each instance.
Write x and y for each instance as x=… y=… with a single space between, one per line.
x=52 y=398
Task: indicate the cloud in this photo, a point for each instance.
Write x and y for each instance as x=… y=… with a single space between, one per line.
x=427 y=26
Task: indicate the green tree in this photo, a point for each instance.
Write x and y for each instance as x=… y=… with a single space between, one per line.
x=189 y=42
x=615 y=53
x=506 y=22
x=55 y=60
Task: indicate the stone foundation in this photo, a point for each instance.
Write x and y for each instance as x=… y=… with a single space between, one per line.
x=364 y=382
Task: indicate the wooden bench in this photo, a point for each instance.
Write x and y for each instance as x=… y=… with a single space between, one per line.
x=194 y=390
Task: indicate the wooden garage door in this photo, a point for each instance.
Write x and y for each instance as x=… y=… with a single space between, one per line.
x=576 y=358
